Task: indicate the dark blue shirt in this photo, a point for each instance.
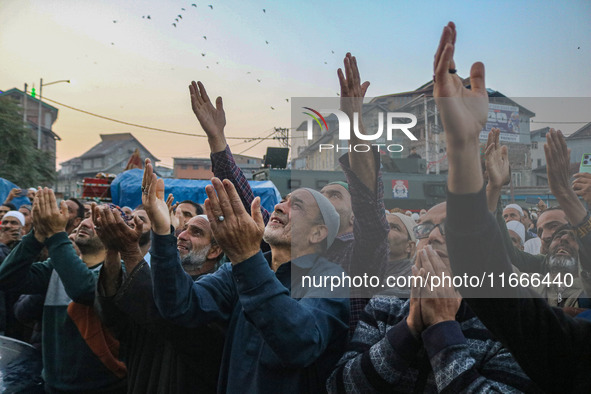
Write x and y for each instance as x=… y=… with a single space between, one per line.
x=274 y=342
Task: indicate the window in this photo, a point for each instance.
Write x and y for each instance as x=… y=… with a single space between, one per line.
x=293 y=183
x=320 y=184
x=183 y=166
x=534 y=144
x=539 y=162
x=86 y=164
x=97 y=163
x=195 y=166
x=516 y=178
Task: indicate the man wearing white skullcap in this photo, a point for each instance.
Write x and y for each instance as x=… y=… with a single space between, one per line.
x=517 y=233
x=512 y=212
x=10 y=232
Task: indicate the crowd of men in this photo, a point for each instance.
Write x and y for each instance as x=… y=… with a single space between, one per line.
x=176 y=298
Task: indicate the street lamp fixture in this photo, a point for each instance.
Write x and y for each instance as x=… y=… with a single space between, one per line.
x=41 y=84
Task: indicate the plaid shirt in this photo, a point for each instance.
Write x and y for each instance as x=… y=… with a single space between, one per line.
x=365 y=251
x=459 y=356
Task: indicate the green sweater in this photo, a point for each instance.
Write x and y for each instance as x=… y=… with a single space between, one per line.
x=68 y=363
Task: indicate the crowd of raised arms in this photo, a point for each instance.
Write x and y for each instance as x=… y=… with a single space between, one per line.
x=225 y=296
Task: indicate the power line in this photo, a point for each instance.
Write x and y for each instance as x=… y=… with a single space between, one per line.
x=247 y=149
x=145 y=127
x=543 y=121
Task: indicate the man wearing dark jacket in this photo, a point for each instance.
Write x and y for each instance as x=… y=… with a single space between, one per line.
x=72 y=361
x=161 y=357
x=551 y=347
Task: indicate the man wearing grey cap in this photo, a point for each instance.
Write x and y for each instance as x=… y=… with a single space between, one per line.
x=361 y=245
x=282 y=334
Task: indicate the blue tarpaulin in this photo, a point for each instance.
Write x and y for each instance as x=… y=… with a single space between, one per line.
x=5 y=187
x=126 y=190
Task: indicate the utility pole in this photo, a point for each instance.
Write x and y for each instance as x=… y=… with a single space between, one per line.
x=436 y=142
x=426 y=131
x=39 y=116
x=282 y=135
x=25 y=99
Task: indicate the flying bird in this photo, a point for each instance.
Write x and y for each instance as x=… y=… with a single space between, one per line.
x=287 y=100
x=114 y=21
x=174 y=24
x=325 y=63
x=194 y=5
x=112 y=43
x=267 y=42
x=207 y=66
x=248 y=72
x=203 y=54
x=338 y=94
x=210 y=6
x=205 y=37
x=183 y=9
x=332 y=51
x=149 y=17
x=180 y=16
x=258 y=80
x=176 y=19
x=272 y=108
x=264 y=10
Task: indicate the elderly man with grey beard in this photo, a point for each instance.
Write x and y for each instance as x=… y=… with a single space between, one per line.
x=553 y=219
x=197 y=248
x=562 y=263
x=160 y=356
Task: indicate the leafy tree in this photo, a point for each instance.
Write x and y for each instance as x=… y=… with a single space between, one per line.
x=20 y=160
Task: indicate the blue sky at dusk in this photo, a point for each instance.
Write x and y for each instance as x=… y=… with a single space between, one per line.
x=138 y=69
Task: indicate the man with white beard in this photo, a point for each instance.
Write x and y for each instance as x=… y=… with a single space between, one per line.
x=198 y=250
x=562 y=261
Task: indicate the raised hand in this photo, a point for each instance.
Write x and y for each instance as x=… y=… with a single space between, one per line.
x=439 y=303
x=497 y=160
x=115 y=234
x=558 y=162
x=153 y=200
x=414 y=320
x=174 y=217
x=14 y=193
x=541 y=205
x=48 y=219
x=582 y=186
x=8 y=235
x=463 y=114
x=352 y=90
x=463 y=111
x=212 y=119
x=238 y=233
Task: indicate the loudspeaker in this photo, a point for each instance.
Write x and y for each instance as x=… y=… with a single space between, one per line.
x=276 y=158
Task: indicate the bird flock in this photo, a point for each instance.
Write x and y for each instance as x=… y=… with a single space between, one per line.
x=178 y=19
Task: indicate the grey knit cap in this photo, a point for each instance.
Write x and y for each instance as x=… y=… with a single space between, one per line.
x=329 y=215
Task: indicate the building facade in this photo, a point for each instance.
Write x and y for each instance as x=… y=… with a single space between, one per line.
x=110 y=156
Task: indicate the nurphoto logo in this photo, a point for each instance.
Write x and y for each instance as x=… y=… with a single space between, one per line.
x=345 y=129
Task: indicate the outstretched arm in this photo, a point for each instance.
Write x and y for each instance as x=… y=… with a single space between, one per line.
x=463 y=114
x=213 y=122
x=540 y=338
x=352 y=94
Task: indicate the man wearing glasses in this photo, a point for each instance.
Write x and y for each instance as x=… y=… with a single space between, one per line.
x=432 y=342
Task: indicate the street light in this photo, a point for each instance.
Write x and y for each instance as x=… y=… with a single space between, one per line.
x=40 y=98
